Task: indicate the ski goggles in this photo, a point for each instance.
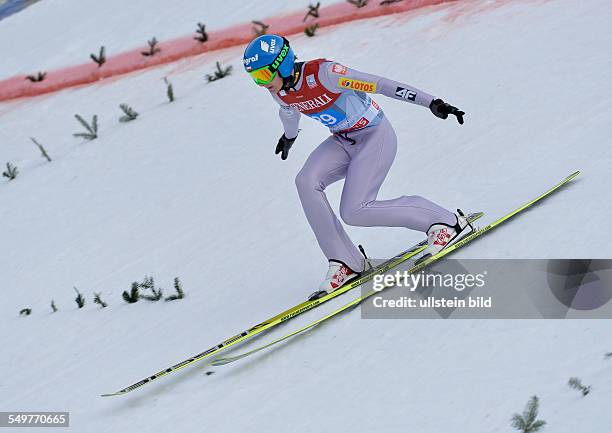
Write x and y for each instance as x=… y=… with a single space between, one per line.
x=266 y=74
x=263 y=75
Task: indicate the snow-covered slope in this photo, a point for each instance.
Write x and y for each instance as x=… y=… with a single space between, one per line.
x=192 y=189
x=56 y=33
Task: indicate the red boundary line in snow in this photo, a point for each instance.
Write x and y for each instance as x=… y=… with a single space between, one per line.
x=186 y=46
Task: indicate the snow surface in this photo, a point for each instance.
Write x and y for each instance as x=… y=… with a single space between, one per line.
x=57 y=33
x=192 y=189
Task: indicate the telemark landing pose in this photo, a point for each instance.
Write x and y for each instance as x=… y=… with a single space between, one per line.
x=360 y=150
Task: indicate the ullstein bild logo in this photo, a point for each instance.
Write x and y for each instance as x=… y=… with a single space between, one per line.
x=364 y=86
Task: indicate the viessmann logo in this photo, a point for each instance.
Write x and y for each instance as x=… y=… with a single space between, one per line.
x=268 y=48
x=363 y=86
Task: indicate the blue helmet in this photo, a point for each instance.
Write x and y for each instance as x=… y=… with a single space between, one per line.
x=268 y=50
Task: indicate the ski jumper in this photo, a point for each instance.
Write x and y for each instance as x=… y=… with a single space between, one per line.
x=360 y=150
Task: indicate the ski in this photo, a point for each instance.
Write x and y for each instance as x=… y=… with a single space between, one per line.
x=286 y=315
x=417 y=267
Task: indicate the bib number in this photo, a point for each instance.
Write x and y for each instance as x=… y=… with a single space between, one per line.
x=328 y=117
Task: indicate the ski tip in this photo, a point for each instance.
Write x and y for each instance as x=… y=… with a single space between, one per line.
x=111 y=395
x=574 y=174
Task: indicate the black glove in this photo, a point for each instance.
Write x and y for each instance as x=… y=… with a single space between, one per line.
x=441 y=109
x=283 y=146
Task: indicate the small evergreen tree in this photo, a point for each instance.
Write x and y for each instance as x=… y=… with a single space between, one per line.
x=527 y=422
x=133 y=295
x=43 y=151
x=156 y=295
x=130 y=114
x=201 y=35
x=219 y=73
x=92 y=130
x=53 y=307
x=100 y=59
x=169 y=90
x=260 y=28
x=98 y=300
x=311 y=30
x=576 y=383
x=179 y=291
x=313 y=11
x=11 y=171
x=149 y=284
x=37 y=78
x=80 y=300
x=358 y=3
x=25 y=312
x=153 y=48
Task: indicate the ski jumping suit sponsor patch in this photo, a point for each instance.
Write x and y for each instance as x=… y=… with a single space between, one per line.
x=345 y=111
x=362 y=86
